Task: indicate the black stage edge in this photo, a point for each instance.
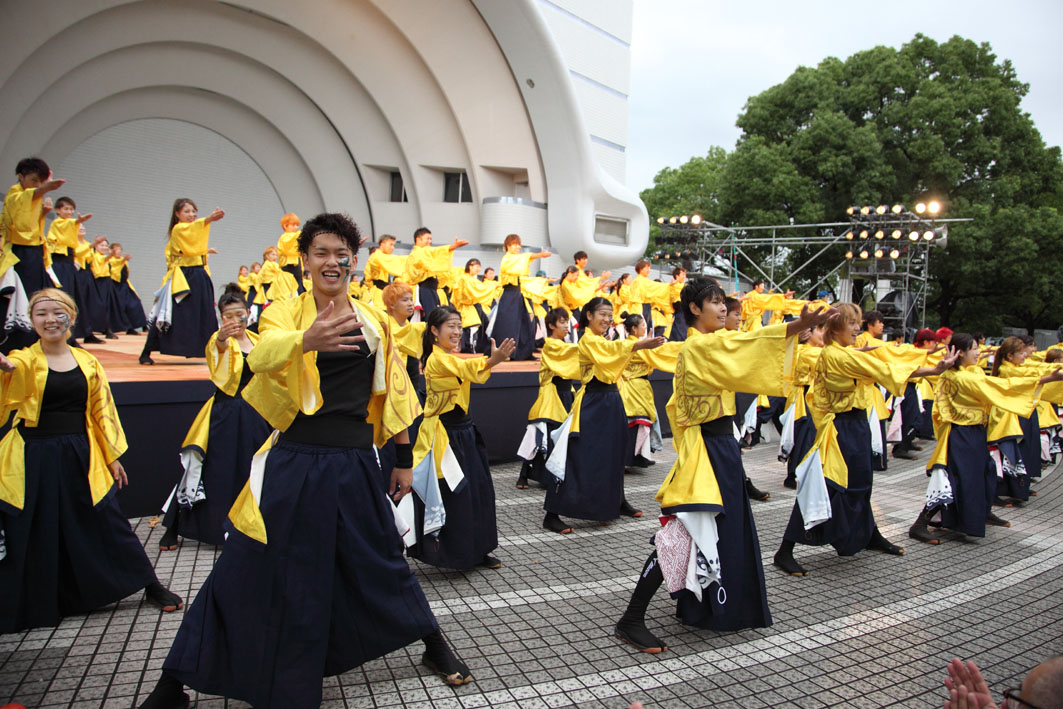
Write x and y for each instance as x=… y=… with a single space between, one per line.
x=156 y=417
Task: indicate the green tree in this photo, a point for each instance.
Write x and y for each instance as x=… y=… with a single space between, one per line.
x=888 y=125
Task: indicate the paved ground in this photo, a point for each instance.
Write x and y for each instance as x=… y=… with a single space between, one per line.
x=870 y=630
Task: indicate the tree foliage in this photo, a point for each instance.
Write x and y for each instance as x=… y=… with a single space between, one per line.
x=927 y=121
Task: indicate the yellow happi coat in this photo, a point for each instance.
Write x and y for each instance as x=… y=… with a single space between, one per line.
x=21 y=223
x=965 y=396
x=754 y=304
x=558 y=359
x=428 y=262
x=225 y=371
x=21 y=391
x=635 y=388
x=468 y=292
x=448 y=380
x=599 y=359
x=845 y=379
x=381 y=267
x=288 y=248
x=280 y=284
x=709 y=369
x=287 y=382
x=805 y=359
x=188 y=246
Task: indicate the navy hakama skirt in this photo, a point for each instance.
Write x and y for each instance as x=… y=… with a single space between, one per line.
x=470 y=532
x=132 y=308
x=926 y=421
x=329 y=592
x=911 y=414
x=65 y=556
x=535 y=469
x=114 y=318
x=512 y=319
x=428 y=296
x=90 y=300
x=852 y=519
x=237 y=431
x=679 y=324
x=64 y=269
x=594 y=468
x=194 y=320
x=973 y=477
x=742 y=601
x=1030 y=448
x=804 y=437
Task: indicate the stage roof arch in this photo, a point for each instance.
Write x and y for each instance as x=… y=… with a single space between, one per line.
x=330 y=98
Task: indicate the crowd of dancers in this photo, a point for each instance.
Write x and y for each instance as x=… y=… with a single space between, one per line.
x=337 y=396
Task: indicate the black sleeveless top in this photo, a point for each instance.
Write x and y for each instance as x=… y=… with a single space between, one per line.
x=346 y=386
x=62 y=405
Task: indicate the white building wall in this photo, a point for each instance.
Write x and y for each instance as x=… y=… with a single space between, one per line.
x=594 y=37
x=129 y=175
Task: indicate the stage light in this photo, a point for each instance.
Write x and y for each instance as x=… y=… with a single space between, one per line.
x=684 y=219
x=897 y=209
x=928 y=235
x=672 y=220
x=863 y=234
x=880 y=234
x=696 y=219
x=920 y=208
x=660 y=220
x=896 y=234
x=865 y=210
x=913 y=236
x=933 y=207
x=850 y=211
x=878 y=253
x=863 y=253
x=895 y=253
x=848 y=254
x=880 y=209
x=849 y=235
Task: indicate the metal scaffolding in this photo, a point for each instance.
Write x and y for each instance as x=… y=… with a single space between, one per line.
x=888 y=249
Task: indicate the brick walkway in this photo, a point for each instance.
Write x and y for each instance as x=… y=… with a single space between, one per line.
x=870 y=630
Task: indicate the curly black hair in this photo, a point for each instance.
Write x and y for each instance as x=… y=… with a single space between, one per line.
x=330 y=223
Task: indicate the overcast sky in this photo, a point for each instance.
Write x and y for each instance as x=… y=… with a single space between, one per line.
x=695 y=62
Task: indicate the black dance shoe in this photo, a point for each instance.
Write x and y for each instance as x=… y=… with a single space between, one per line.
x=553 y=523
x=636 y=634
x=755 y=493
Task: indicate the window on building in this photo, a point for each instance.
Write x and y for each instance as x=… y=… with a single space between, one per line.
x=398 y=189
x=456 y=187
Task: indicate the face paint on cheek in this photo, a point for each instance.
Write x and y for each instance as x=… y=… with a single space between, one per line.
x=63 y=319
x=345 y=264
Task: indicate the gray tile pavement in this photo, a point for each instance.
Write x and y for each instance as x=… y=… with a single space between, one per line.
x=870 y=630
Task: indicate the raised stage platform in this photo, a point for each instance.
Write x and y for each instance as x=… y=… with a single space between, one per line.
x=158 y=403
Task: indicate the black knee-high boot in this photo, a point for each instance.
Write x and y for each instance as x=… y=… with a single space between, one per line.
x=632 y=626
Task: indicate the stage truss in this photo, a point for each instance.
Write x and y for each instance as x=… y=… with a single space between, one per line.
x=887 y=248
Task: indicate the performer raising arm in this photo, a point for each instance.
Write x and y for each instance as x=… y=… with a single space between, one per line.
x=311 y=581
x=703 y=500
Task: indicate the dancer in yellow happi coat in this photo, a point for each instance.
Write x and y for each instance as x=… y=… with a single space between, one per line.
x=382 y=266
x=643 y=431
x=425 y=264
x=588 y=458
x=217 y=451
x=707 y=552
x=963 y=478
x=455 y=504
x=65 y=546
x=558 y=367
x=311 y=581
x=834 y=480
